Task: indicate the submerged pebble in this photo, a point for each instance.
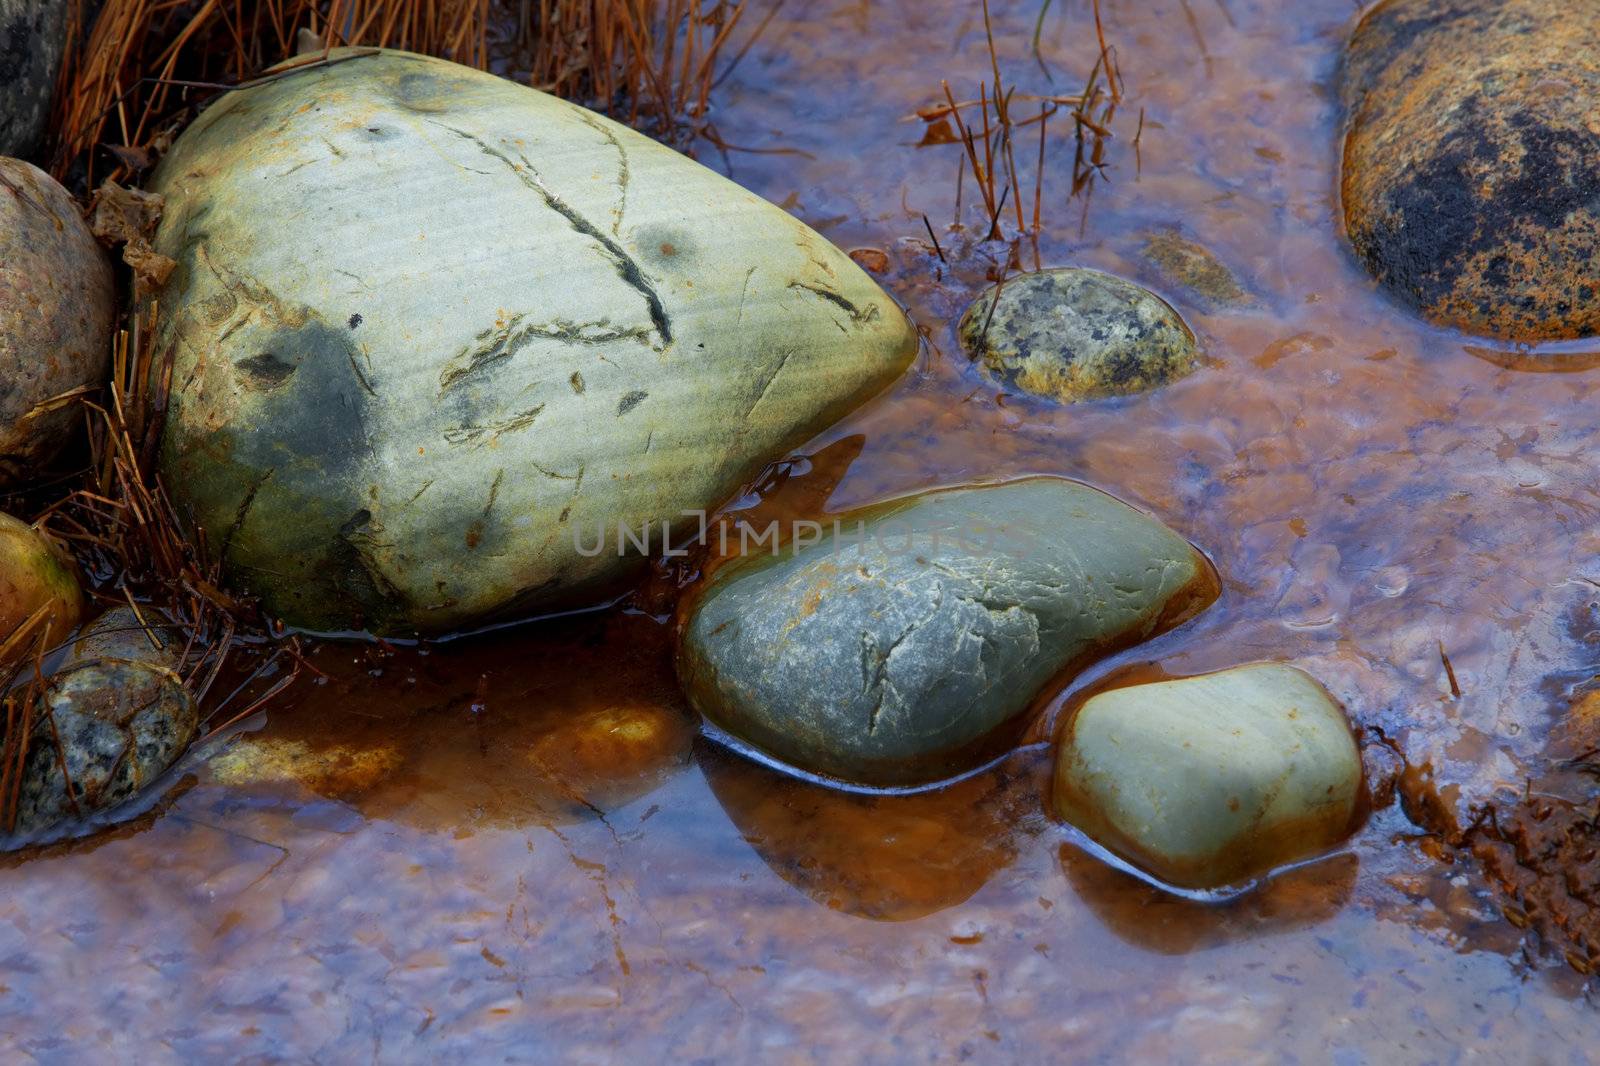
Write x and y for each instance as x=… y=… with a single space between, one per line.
x=908 y=653
x=1470 y=161
x=625 y=335
x=56 y=302
x=35 y=576
x=1208 y=781
x=1194 y=268
x=115 y=717
x=1072 y=334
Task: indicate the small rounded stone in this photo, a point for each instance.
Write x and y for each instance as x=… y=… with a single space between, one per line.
x=1195 y=268
x=1072 y=334
x=907 y=648
x=34 y=34
x=35 y=575
x=117 y=716
x=1210 y=781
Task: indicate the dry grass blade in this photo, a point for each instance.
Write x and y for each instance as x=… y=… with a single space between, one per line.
x=130 y=78
x=650 y=63
x=986 y=127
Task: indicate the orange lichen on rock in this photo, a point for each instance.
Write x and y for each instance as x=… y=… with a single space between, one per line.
x=1469 y=163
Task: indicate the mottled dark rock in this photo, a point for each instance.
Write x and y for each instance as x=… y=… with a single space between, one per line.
x=116 y=715
x=1193 y=268
x=1073 y=334
x=32 y=33
x=56 y=303
x=1471 y=161
x=909 y=653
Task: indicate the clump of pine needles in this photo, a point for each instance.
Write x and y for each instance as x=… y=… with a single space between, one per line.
x=134 y=77
x=649 y=63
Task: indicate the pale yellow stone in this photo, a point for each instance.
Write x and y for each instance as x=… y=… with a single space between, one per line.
x=1208 y=781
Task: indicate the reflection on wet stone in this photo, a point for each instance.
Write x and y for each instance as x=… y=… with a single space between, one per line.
x=884 y=857
x=1155 y=920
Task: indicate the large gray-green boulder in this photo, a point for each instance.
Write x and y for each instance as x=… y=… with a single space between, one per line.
x=905 y=648
x=1209 y=781
x=434 y=331
x=32 y=33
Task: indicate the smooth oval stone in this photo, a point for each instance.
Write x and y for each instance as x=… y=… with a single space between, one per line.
x=433 y=330
x=1072 y=334
x=56 y=300
x=32 y=33
x=909 y=652
x=1208 y=781
x=35 y=576
x=122 y=717
x=1471 y=158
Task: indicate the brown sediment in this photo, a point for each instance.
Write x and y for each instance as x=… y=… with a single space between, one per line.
x=883 y=857
x=1541 y=849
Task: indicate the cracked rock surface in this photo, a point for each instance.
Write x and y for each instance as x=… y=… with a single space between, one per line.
x=32 y=33
x=434 y=331
x=56 y=302
x=1072 y=334
x=906 y=648
x=1208 y=781
x=118 y=717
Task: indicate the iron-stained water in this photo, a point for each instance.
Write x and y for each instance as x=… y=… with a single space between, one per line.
x=516 y=847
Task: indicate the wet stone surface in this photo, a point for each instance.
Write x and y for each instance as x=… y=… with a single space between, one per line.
x=901 y=655
x=626 y=335
x=1209 y=781
x=1195 y=270
x=1072 y=334
x=1470 y=161
x=116 y=715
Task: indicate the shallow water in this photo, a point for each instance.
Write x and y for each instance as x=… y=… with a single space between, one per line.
x=516 y=846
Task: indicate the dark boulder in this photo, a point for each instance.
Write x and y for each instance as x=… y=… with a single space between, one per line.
x=1471 y=176
x=32 y=33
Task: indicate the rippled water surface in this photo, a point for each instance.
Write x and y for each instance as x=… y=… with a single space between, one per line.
x=518 y=847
